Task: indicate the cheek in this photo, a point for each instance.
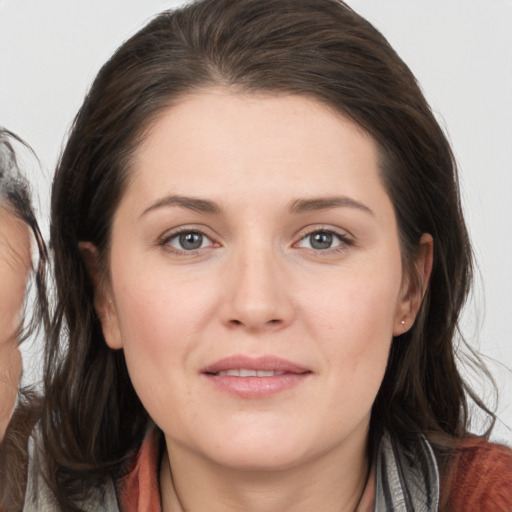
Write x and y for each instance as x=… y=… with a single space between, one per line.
x=157 y=304
x=157 y=320
x=160 y=321
x=354 y=325
x=359 y=305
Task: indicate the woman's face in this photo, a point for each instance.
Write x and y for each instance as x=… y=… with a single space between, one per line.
x=256 y=279
x=15 y=264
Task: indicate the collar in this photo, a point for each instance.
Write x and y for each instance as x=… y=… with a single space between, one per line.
x=407 y=477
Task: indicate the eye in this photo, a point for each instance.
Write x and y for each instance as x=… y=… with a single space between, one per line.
x=322 y=240
x=188 y=241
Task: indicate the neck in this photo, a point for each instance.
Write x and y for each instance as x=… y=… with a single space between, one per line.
x=333 y=482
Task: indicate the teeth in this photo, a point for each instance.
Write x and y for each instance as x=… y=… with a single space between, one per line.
x=262 y=373
x=242 y=372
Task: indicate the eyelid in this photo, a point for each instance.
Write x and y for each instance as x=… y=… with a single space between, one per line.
x=171 y=234
x=345 y=238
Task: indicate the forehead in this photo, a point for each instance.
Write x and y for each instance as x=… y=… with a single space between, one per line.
x=15 y=236
x=220 y=136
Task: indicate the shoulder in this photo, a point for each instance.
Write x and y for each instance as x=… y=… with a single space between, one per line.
x=39 y=497
x=480 y=477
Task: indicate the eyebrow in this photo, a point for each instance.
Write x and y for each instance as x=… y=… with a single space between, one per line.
x=297 y=206
x=190 y=203
x=327 y=203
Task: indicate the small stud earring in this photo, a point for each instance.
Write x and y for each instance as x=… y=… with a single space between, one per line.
x=403 y=322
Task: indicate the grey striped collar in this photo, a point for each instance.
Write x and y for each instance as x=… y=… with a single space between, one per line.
x=407 y=478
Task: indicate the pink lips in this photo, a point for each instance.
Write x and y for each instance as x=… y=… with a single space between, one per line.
x=254 y=377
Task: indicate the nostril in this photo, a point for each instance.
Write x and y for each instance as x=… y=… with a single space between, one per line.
x=274 y=321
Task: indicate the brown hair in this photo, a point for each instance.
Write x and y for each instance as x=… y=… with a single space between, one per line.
x=92 y=418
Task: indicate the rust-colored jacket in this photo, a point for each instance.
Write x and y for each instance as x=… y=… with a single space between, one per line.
x=480 y=480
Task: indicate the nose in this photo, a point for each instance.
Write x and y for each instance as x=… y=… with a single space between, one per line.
x=257 y=296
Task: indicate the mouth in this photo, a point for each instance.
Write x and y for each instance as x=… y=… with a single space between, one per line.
x=248 y=366
x=244 y=372
x=255 y=377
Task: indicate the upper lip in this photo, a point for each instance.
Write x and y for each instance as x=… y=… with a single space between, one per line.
x=264 y=363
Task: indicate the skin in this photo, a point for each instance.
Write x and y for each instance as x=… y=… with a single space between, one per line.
x=257 y=286
x=15 y=264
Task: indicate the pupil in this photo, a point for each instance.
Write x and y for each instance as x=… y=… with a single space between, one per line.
x=321 y=240
x=191 y=241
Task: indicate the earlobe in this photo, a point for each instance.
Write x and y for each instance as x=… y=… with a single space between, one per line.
x=415 y=286
x=103 y=303
x=110 y=325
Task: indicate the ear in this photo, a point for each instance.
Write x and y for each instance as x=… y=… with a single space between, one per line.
x=103 y=297
x=413 y=287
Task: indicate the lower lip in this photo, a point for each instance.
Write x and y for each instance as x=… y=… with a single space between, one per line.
x=256 y=387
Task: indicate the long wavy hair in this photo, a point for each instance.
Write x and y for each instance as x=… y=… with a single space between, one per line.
x=92 y=419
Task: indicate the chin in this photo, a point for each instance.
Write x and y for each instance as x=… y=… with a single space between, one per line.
x=259 y=458
x=260 y=449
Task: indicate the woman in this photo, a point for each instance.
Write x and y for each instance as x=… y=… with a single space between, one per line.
x=260 y=261
x=18 y=231
x=15 y=263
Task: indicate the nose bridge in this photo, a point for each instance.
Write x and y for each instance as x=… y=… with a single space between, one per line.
x=257 y=295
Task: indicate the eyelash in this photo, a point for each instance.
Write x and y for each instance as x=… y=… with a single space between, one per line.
x=165 y=241
x=344 y=241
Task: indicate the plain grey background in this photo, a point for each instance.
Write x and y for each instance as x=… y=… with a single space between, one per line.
x=460 y=51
